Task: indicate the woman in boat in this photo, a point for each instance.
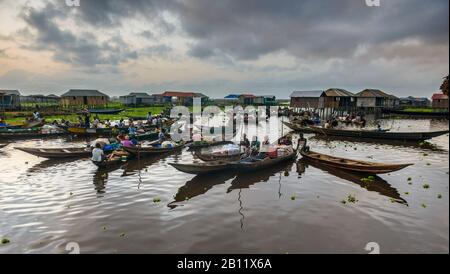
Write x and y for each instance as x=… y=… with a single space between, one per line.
x=127 y=142
x=97 y=153
x=131 y=130
x=121 y=123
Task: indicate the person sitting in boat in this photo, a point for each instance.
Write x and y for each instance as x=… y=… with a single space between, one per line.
x=255 y=145
x=245 y=142
x=131 y=130
x=97 y=153
x=121 y=123
x=115 y=131
x=121 y=136
x=127 y=142
x=286 y=141
x=264 y=149
x=161 y=136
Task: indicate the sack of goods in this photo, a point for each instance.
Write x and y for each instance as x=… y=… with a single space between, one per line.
x=273 y=152
x=167 y=144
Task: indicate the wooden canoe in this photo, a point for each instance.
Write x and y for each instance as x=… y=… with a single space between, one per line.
x=256 y=164
x=202 y=168
x=298 y=128
x=213 y=158
x=151 y=150
x=352 y=165
x=109 y=163
x=27 y=134
x=57 y=153
x=203 y=144
x=373 y=134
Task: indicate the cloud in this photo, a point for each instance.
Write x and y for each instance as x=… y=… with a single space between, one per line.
x=81 y=49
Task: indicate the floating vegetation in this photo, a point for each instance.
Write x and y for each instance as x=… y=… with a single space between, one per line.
x=428 y=164
x=406 y=193
x=424 y=205
x=425 y=154
x=5 y=241
x=427 y=145
x=293 y=198
x=351 y=199
x=156 y=200
x=344 y=202
x=409 y=183
x=122 y=235
x=104 y=228
x=439 y=196
x=369 y=179
x=409 y=179
x=426 y=186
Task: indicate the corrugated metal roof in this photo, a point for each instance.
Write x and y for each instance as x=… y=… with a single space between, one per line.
x=306 y=93
x=439 y=96
x=338 y=92
x=139 y=94
x=372 y=93
x=84 y=92
x=9 y=92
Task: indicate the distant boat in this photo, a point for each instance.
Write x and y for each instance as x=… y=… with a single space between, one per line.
x=105 y=111
x=418 y=113
x=374 y=134
x=351 y=165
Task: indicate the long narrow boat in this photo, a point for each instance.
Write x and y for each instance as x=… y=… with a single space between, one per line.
x=152 y=150
x=399 y=136
x=105 y=111
x=109 y=163
x=202 y=168
x=251 y=164
x=418 y=113
x=352 y=165
x=298 y=128
x=213 y=157
x=203 y=144
x=81 y=131
x=57 y=153
x=26 y=134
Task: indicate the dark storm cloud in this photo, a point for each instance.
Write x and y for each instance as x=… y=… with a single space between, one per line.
x=308 y=28
x=75 y=48
x=304 y=28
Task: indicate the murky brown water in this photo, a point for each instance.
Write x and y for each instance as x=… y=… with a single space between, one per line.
x=46 y=204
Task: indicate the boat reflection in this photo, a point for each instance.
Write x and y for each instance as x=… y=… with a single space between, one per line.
x=100 y=180
x=245 y=180
x=394 y=143
x=50 y=163
x=378 y=184
x=199 y=185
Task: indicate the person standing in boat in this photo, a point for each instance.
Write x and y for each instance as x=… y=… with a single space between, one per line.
x=127 y=142
x=97 y=153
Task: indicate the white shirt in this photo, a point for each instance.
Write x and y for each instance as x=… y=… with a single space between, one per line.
x=97 y=154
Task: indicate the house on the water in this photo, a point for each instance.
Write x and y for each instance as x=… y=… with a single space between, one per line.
x=9 y=99
x=40 y=99
x=305 y=99
x=265 y=100
x=414 y=102
x=339 y=99
x=84 y=97
x=247 y=99
x=375 y=98
x=182 y=98
x=440 y=101
x=141 y=98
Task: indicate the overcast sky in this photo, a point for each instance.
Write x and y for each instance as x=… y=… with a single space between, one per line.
x=224 y=46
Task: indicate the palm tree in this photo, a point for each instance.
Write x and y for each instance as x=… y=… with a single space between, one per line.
x=444 y=86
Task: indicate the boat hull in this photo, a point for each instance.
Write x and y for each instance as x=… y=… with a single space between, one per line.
x=141 y=152
x=202 y=168
x=57 y=153
x=364 y=134
x=258 y=165
x=352 y=165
